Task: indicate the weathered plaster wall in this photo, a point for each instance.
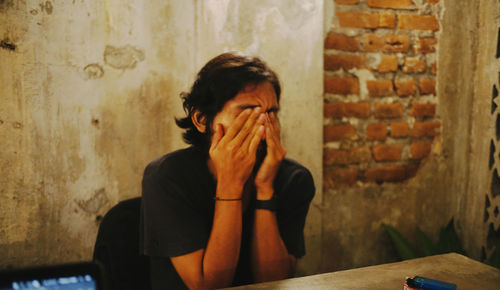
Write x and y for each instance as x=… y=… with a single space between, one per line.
x=89 y=92
x=457 y=60
x=480 y=206
x=469 y=70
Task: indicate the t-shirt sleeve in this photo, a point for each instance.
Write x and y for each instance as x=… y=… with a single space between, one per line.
x=293 y=205
x=172 y=225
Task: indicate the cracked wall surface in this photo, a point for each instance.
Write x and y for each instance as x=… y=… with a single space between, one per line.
x=89 y=92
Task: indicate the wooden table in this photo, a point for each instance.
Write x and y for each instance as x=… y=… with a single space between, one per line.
x=460 y=270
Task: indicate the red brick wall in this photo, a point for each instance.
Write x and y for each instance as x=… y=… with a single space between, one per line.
x=380 y=86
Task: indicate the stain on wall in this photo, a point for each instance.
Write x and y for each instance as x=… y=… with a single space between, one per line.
x=93 y=71
x=65 y=123
x=46 y=7
x=96 y=202
x=7 y=44
x=125 y=57
x=91 y=94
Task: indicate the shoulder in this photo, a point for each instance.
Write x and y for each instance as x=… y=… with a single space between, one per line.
x=174 y=163
x=294 y=177
x=291 y=167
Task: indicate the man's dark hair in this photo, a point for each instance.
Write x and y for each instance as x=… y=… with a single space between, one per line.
x=220 y=80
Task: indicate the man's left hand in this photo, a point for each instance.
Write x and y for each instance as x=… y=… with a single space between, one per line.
x=275 y=154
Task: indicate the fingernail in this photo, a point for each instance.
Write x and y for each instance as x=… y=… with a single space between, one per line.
x=262 y=118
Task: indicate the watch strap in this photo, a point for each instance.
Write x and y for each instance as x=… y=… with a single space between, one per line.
x=270 y=204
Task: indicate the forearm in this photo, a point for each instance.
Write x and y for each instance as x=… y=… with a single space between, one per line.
x=222 y=252
x=214 y=266
x=270 y=258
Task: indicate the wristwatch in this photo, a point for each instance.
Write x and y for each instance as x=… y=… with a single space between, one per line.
x=270 y=204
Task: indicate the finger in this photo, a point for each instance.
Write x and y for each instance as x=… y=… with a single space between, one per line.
x=254 y=143
x=275 y=129
x=218 y=134
x=270 y=130
x=257 y=126
x=244 y=133
x=273 y=141
x=238 y=123
x=270 y=140
x=275 y=121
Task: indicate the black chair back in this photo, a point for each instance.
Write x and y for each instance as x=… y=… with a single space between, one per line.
x=117 y=247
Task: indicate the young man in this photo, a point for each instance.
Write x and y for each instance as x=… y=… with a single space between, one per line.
x=230 y=209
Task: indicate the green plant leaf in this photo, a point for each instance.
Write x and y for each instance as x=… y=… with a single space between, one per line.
x=494 y=259
x=405 y=250
x=449 y=241
x=426 y=245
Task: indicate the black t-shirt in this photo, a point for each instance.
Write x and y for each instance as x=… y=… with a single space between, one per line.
x=178 y=209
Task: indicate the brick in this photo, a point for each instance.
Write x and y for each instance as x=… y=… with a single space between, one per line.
x=333 y=110
x=396 y=43
x=381 y=174
x=418 y=22
x=347 y=156
x=425 y=45
x=387 y=20
x=420 y=150
x=425 y=129
x=414 y=65
x=358 y=19
x=358 y=110
x=344 y=61
x=386 y=43
x=339 y=132
x=433 y=68
x=334 y=177
x=405 y=88
x=347 y=2
x=366 y=20
x=423 y=110
x=341 y=42
x=372 y=42
x=380 y=88
x=388 y=63
x=399 y=129
x=427 y=87
x=391 y=4
x=383 y=111
x=341 y=85
x=338 y=110
x=376 y=131
x=387 y=152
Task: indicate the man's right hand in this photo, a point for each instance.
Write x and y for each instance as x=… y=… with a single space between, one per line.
x=233 y=154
